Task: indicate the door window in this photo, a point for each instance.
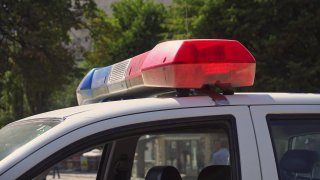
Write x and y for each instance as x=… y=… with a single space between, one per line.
x=191 y=146
x=81 y=165
x=188 y=152
x=296 y=143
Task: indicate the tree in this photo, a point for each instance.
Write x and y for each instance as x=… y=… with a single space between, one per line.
x=103 y=32
x=134 y=27
x=181 y=18
x=282 y=35
x=35 y=60
x=289 y=51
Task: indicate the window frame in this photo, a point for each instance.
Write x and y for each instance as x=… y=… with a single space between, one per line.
x=287 y=117
x=111 y=135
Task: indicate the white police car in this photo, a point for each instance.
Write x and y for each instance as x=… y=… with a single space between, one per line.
x=199 y=134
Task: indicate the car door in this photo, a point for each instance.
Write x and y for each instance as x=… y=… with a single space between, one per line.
x=284 y=134
x=183 y=132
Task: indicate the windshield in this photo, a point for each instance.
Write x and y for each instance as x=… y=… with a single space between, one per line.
x=19 y=133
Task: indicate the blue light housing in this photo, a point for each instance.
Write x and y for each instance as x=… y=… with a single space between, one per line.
x=93 y=85
x=100 y=77
x=87 y=80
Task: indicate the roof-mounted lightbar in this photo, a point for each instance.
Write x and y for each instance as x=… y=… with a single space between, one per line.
x=189 y=64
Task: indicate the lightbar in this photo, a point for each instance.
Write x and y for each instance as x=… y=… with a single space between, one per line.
x=189 y=64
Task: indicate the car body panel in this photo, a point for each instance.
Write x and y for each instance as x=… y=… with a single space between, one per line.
x=82 y=121
x=266 y=152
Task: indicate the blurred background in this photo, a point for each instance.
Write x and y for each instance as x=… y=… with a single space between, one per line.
x=46 y=47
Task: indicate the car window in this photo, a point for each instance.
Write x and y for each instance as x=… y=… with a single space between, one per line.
x=81 y=165
x=296 y=144
x=307 y=141
x=21 y=132
x=188 y=145
x=188 y=152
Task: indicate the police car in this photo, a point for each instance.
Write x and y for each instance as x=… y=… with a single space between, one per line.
x=170 y=113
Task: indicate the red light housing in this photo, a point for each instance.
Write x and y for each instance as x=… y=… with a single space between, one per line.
x=195 y=63
x=177 y=64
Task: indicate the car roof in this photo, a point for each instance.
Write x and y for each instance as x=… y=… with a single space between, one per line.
x=152 y=104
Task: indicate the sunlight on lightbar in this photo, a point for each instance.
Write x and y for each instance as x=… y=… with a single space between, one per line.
x=177 y=64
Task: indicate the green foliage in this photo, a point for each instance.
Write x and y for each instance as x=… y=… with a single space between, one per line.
x=289 y=48
x=181 y=18
x=65 y=96
x=34 y=58
x=140 y=22
x=284 y=36
x=134 y=27
x=37 y=65
x=103 y=31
